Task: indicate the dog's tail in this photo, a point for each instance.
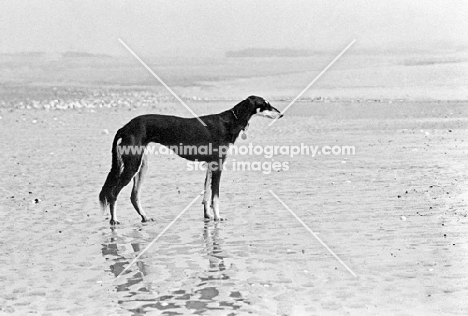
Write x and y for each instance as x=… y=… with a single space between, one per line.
x=114 y=174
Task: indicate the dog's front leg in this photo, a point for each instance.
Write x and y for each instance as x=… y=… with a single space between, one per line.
x=208 y=213
x=215 y=180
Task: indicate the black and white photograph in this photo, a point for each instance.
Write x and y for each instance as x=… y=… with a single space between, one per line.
x=175 y=157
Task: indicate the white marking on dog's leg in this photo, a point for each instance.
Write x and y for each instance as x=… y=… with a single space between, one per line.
x=137 y=182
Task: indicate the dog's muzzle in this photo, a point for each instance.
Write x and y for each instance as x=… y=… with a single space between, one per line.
x=272 y=114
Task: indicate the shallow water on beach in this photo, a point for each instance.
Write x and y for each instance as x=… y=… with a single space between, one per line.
x=395 y=213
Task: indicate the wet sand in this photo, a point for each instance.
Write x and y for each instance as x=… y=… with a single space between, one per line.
x=395 y=213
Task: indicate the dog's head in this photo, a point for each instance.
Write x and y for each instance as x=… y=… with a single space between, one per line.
x=263 y=108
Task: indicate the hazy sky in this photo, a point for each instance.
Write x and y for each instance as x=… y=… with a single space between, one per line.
x=211 y=27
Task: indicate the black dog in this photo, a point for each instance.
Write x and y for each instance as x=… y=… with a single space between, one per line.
x=221 y=130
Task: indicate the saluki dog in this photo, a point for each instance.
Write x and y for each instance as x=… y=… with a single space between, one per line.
x=220 y=131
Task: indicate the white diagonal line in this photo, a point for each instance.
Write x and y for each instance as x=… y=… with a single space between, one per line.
x=314 y=234
x=313 y=81
x=159 y=235
x=160 y=80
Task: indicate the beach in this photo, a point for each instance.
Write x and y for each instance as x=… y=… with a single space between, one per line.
x=394 y=212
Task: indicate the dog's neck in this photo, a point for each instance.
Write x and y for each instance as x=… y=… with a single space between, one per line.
x=242 y=113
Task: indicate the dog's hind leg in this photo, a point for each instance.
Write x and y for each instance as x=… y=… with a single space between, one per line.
x=113 y=213
x=215 y=181
x=131 y=165
x=208 y=213
x=137 y=181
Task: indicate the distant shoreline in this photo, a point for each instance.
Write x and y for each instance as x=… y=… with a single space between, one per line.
x=272 y=52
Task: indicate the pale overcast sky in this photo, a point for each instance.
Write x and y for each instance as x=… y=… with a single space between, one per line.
x=211 y=27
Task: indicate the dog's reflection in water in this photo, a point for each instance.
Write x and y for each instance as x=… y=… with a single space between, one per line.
x=213 y=247
x=115 y=248
x=204 y=291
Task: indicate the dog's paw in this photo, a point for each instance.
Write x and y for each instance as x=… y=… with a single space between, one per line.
x=208 y=215
x=114 y=222
x=207 y=218
x=220 y=219
x=145 y=220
